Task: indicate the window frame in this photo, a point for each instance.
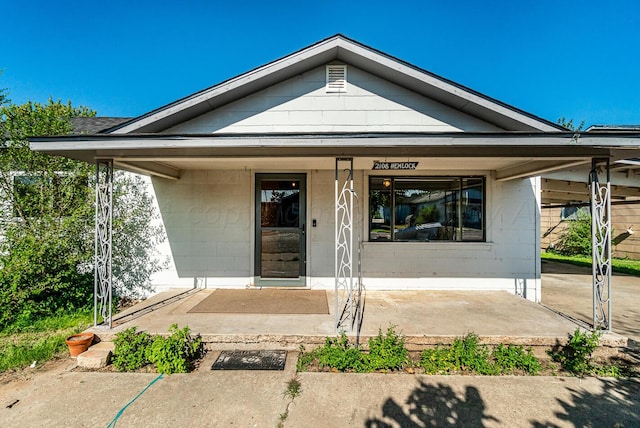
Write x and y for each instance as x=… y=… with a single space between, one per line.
x=459 y=178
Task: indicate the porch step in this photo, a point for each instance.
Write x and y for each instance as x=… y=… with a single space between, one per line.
x=97 y=356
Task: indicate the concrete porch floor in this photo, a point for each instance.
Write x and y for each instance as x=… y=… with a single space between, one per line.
x=423 y=317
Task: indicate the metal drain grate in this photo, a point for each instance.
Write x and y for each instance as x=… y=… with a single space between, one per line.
x=250 y=360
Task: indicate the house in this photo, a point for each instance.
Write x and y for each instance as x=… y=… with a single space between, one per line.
x=340 y=166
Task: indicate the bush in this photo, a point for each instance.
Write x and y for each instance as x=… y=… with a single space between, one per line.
x=511 y=358
x=466 y=354
x=40 y=276
x=576 y=238
x=175 y=353
x=575 y=356
x=130 y=351
x=340 y=355
x=437 y=360
x=387 y=352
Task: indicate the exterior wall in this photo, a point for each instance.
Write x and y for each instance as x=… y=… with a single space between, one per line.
x=301 y=104
x=623 y=217
x=207 y=216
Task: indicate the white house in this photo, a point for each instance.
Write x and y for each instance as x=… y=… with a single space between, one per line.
x=441 y=183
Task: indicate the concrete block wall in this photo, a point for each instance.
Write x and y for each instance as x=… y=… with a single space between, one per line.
x=207 y=217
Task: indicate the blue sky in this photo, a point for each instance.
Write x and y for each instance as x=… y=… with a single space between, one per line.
x=577 y=59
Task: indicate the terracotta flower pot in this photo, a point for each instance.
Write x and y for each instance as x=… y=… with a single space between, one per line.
x=78 y=343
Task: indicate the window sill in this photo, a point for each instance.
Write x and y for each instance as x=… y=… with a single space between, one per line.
x=431 y=245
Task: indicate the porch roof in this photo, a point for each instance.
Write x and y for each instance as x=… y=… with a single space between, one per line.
x=509 y=154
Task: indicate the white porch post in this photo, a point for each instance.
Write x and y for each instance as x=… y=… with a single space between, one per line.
x=102 y=300
x=601 y=243
x=347 y=296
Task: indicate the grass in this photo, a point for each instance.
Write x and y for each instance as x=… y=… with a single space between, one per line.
x=627 y=266
x=41 y=341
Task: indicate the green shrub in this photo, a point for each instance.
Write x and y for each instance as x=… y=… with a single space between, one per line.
x=467 y=354
x=575 y=356
x=576 y=238
x=39 y=277
x=339 y=354
x=130 y=351
x=509 y=358
x=387 y=352
x=438 y=360
x=175 y=353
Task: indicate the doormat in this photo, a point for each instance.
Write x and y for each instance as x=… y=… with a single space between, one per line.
x=250 y=360
x=264 y=301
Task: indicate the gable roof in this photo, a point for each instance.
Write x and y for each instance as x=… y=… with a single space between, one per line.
x=349 y=51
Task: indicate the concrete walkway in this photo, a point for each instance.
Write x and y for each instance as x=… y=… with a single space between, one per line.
x=567 y=289
x=65 y=398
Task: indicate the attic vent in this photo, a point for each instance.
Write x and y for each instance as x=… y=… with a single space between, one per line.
x=336 y=78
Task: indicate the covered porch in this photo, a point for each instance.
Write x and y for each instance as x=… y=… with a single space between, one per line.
x=423 y=317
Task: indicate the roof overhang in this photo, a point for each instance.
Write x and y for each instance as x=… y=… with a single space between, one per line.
x=521 y=154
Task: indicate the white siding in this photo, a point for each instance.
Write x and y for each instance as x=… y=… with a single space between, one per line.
x=301 y=104
x=207 y=217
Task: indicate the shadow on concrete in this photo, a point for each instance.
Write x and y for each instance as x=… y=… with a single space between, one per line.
x=615 y=406
x=554 y=267
x=434 y=405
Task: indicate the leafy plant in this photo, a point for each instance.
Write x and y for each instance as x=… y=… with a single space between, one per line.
x=387 y=352
x=514 y=357
x=437 y=360
x=175 y=353
x=130 y=351
x=575 y=239
x=305 y=359
x=339 y=354
x=575 y=356
x=467 y=354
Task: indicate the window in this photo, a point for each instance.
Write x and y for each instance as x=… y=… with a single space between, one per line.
x=426 y=209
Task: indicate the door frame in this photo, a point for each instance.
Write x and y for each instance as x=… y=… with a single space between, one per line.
x=301 y=280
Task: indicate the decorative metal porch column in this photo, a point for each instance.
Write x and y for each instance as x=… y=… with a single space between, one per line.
x=601 y=243
x=347 y=287
x=103 y=231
